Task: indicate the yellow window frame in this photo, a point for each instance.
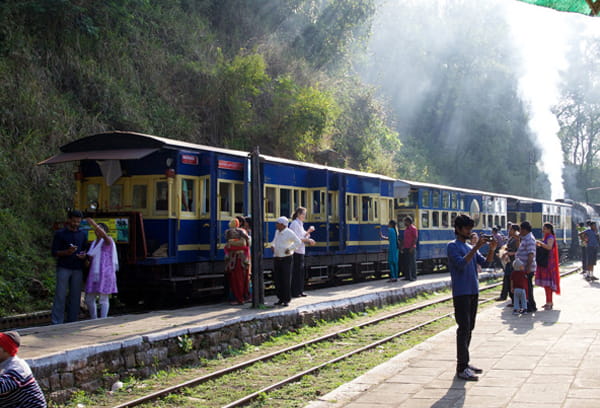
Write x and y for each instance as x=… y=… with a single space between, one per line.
x=232 y=196
x=199 y=196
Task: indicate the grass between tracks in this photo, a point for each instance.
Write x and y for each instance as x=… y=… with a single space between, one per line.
x=297 y=394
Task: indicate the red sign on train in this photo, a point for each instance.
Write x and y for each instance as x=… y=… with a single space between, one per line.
x=229 y=165
x=189 y=159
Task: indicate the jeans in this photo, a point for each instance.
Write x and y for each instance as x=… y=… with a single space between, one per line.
x=67 y=280
x=506 y=282
x=531 y=306
x=282 y=277
x=465 y=311
x=411 y=264
x=520 y=300
x=90 y=301
x=298 y=275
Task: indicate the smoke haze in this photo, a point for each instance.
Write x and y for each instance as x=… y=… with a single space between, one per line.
x=500 y=62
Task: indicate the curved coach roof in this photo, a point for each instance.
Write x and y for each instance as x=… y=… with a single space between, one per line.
x=123 y=145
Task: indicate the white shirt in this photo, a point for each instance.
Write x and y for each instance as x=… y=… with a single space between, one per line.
x=284 y=240
x=298 y=227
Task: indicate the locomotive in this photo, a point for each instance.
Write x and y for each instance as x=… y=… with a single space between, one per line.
x=169 y=203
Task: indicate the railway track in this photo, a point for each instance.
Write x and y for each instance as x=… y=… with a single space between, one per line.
x=442 y=309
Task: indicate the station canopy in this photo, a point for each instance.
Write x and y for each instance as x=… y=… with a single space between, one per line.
x=587 y=7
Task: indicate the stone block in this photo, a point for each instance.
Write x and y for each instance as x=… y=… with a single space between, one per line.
x=67 y=380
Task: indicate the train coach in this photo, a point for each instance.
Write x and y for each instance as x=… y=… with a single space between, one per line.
x=169 y=203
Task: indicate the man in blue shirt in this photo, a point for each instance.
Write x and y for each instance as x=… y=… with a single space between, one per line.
x=462 y=262
x=68 y=247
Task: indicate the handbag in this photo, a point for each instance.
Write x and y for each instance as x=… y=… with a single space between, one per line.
x=541 y=256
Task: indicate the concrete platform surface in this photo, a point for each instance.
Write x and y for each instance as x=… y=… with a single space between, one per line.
x=80 y=337
x=546 y=359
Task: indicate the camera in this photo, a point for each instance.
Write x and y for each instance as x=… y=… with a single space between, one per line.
x=488 y=238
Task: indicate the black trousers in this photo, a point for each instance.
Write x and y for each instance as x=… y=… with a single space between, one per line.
x=298 y=275
x=465 y=311
x=508 y=268
x=531 y=306
x=282 y=276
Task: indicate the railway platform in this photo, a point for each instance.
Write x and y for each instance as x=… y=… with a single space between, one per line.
x=547 y=359
x=91 y=354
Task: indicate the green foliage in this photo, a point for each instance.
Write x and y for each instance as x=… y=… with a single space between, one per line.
x=229 y=73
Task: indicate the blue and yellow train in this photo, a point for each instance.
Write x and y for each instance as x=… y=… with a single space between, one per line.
x=170 y=202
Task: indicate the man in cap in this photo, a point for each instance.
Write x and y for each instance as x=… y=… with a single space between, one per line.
x=283 y=245
x=18 y=387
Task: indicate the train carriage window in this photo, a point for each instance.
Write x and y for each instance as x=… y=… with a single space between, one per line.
x=435 y=219
x=446 y=199
x=140 y=196
x=92 y=194
x=490 y=221
x=445 y=223
x=453 y=216
x=454 y=200
x=369 y=209
x=285 y=204
x=115 y=195
x=238 y=198
x=462 y=204
x=375 y=210
x=161 y=198
x=225 y=198
x=436 y=199
x=270 y=195
x=316 y=202
x=352 y=209
x=503 y=221
x=496 y=220
x=332 y=205
x=424 y=219
x=523 y=217
x=425 y=196
x=205 y=190
x=188 y=203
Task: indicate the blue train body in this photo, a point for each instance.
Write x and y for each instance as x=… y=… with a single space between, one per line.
x=180 y=197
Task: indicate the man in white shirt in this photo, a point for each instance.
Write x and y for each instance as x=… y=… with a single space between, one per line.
x=283 y=245
x=297 y=226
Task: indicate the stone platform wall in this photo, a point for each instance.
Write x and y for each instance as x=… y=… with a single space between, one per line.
x=91 y=368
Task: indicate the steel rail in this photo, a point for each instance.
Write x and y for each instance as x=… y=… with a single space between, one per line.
x=265 y=357
x=214 y=375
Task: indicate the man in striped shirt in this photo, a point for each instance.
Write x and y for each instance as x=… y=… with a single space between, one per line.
x=18 y=387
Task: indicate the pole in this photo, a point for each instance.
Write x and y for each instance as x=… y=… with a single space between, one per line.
x=258 y=280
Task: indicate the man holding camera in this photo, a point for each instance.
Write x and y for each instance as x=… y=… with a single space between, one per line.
x=462 y=262
x=68 y=247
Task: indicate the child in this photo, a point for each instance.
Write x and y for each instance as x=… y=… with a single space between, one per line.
x=518 y=285
x=18 y=388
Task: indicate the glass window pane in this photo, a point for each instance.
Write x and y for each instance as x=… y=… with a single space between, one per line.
x=452 y=218
x=435 y=219
x=225 y=197
x=285 y=207
x=445 y=219
x=425 y=198
x=92 y=194
x=140 y=196
x=270 y=196
x=446 y=199
x=187 y=195
x=316 y=202
x=162 y=195
x=454 y=200
x=436 y=199
x=116 y=196
x=424 y=219
x=239 y=198
x=355 y=208
x=490 y=222
x=205 y=196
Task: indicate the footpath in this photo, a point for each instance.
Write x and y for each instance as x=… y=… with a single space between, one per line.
x=548 y=359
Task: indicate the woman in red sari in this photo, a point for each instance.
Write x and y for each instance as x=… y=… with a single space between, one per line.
x=549 y=276
x=237 y=261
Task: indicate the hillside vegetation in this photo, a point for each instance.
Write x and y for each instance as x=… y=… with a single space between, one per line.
x=232 y=73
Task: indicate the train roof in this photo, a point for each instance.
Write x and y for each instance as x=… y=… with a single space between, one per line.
x=125 y=145
x=400 y=184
